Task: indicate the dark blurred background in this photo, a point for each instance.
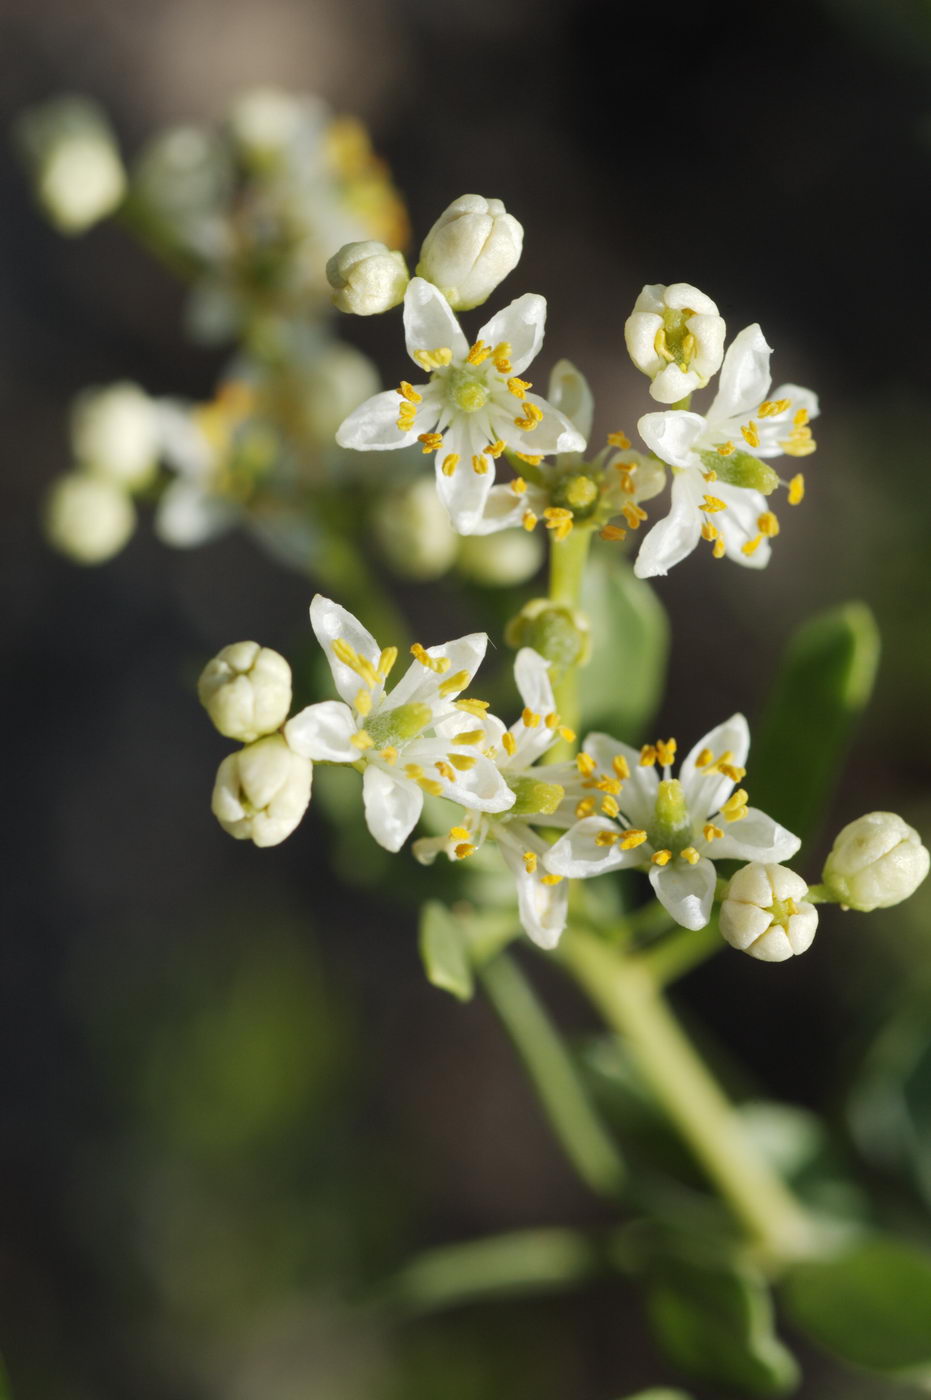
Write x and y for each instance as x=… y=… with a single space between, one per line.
x=229 y=1094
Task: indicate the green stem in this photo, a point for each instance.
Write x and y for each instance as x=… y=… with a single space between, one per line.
x=626 y=994
x=564 y=1098
x=568 y=558
x=680 y=951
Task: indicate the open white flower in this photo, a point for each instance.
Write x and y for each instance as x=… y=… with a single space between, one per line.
x=544 y=795
x=473 y=407
x=720 y=480
x=675 y=335
x=675 y=828
x=766 y=913
x=389 y=734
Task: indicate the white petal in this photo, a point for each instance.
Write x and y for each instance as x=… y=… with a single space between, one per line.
x=709 y=332
x=427 y=848
x=755 y=837
x=673 y=538
x=392 y=806
x=333 y=623
x=576 y=854
x=373 y=427
x=774 y=431
x=422 y=685
x=543 y=908
x=739 y=524
x=465 y=493
x=672 y=435
x=640 y=334
x=651 y=298
x=569 y=393
x=673 y=384
x=682 y=296
x=323 y=731
x=554 y=432
x=504 y=510
x=532 y=678
x=637 y=798
x=744 y=379
x=685 y=891
x=187 y=515
x=704 y=794
x=429 y=322
x=481 y=788
x=522 y=325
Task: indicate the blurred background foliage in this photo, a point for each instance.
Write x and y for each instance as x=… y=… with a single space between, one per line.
x=233 y=1105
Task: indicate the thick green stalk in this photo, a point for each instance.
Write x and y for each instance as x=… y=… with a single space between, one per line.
x=568 y=558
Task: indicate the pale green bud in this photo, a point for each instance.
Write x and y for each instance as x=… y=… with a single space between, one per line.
x=561 y=635
x=367 y=278
x=340 y=379
x=88 y=519
x=262 y=791
x=535 y=798
x=74 y=161
x=246 y=691
x=265 y=121
x=501 y=560
x=413 y=529
x=876 y=861
x=472 y=247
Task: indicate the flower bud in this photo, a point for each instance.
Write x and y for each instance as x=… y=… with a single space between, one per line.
x=562 y=635
x=367 y=278
x=675 y=335
x=876 y=861
x=75 y=164
x=262 y=791
x=339 y=379
x=265 y=121
x=114 y=432
x=472 y=247
x=246 y=691
x=88 y=519
x=766 y=914
x=502 y=560
x=412 y=527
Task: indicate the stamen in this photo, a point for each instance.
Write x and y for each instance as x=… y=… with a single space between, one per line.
x=530 y=862
x=470 y=736
x=633 y=514
x=390 y=754
x=621 y=766
x=551 y=720
x=713 y=503
x=509 y=742
x=606 y=838
x=438 y=664
x=459 y=833
x=661 y=857
x=648 y=756
x=796 y=490
x=529 y=520
x=799 y=443
x=625 y=477
x=462 y=761
x=450 y=463
x=413 y=771
x=407 y=414
x=494 y=449
x=362 y=739
x=730 y=771
x=611 y=785
x=666 y=752
x=725 y=448
x=709 y=476
x=530 y=718
x=551 y=879
x=632 y=838
x=620 y=440
x=433 y=359
x=712 y=832
x=751 y=546
x=735 y=808
x=529 y=459
x=519 y=387
x=612 y=533
x=585 y=764
x=432 y=442
x=386 y=662
x=709 y=531
x=567 y=734
x=609 y=807
x=502 y=357
x=408 y=392
x=585 y=808
x=464 y=849
x=363 y=702
x=659 y=345
x=348 y=656
x=445 y=771
x=767 y=524
x=479 y=465
x=473 y=707
x=533 y=416
x=518 y=486
x=478 y=354
x=750 y=434
x=457 y=681
x=719 y=549
x=690 y=854
x=800 y=418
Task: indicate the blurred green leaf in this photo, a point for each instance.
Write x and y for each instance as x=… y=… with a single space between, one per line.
x=824 y=681
x=622 y=685
x=444 y=951
x=890 y=1104
x=717 y=1324
x=661 y=1394
x=870 y=1305
x=5 y=1391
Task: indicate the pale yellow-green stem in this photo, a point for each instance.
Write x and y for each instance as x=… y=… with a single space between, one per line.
x=568 y=558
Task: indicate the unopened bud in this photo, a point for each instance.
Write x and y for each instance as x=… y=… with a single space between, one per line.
x=88 y=519
x=246 y=691
x=265 y=121
x=766 y=914
x=876 y=861
x=367 y=278
x=675 y=335
x=262 y=791
x=412 y=527
x=502 y=560
x=339 y=379
x=114 y=433
x=561 y=635
x=472 y=247
x=75 y=164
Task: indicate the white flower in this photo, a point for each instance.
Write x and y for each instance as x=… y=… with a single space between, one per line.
x=114 y=433
x=246 y=691
x=542 y=795
x=719 y=479
x=473 y=407
x=675 y=335
x=876 y=861
x=472 y=247
x=673 y=827
x=766 y=914
x=386 y=734
x=88 y=519
x=367 y=278
x=262 y=791
x=192 y=509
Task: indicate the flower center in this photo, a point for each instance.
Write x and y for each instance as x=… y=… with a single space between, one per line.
x=671 y=828
x=399 y=725
x=674 y=341
x=467 y=390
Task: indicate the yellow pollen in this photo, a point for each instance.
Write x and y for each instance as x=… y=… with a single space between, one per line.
x=799 y=443
x=479 y=465
x=611 y=785
x=612 y=533
x=712 y=832
x=750 y=434
x=659 y=345
x=478 y=354
x=408 y=392
x=433 y=359
x=550 y=879
x=620 y=440
x=719 y=549
x=557 y=513
x=648 y=756
x=435 y=789
x=407 y=415
x=413 y=771
x=704 y=758
x=470 y=736
x=633 y=514
x=464 y=849
x=457 y=681
x=450 y=463
x=666 y=752
x=767 y=524
x=445 y=771
x=390 y=754
x=585 y=808
x=363 y=702
x=473 y=707
x=432 y=442
x=751 y=546
x=518 y=486
x=621 y=766
x=462 y=761
x=533 y=416
x=502 y=357
x=386 y=662
x=725 y=448
x=362 y=739
x=690 y=854
x=529 y=520
x=530 y=861
x=494 y=449
x=519 y=387
x=713 y=503
x=631 y=838
x=459 y=833
x=606 y=838
x=530 y=718
x=585 y=764
x=509 y=742
x=735 y=808
x=800 y=418
x=709 y=476
x=731 y=771
x=661 y=857
x=348 y=656
x=796 y=490
x=532 y=461
x=625 y=478
x=551 y=720
x=438 y=664
x=609 y=807
x=567 y=734
x=709 y=531
x=767 y=408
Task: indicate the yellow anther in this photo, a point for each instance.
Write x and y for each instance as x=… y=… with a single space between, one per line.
x=386 y=662
x=767 y=408
x=712 y=832
x=550 y=879
x=632 y=838
x=495 y=449
x=750 y=434
x=690 y=854
x=457 y=681
x=606 y=838
x=529 y=458
x=470 y=736
x=661 y=857
x=735 y=808
x=719 y=549
x=464 y=849
x=473 y=707
x=479 y=465
x=435 y=789
x=620 y=440
x=518 y=486
x=557 y=513
x=509 y=742
x=585 y=808
x=532 y=418
x=407 y=414
x=767 y=524
x=731 y=771
x=530 y=861
x=610 y=785
x=796 y=490
x=621 y=766
x=519 y=387
x=413 y=771
x=713 y=503
x=709 y=476
x=725 y=448
x=586 y=764
x=567 y=734
x=348 y=656
x=478 y=354
x=799 y=443
x=445 y=771
x=502 y=357
x=648 y=756
x=529 y=520
x=390 y=754
x=462 y=761
x=459 y=833
x=799 y=417
x=432 y=442
x=751 y=546
x=666 y=751
x=551 y=720
x=625 y=478
x=704 y=758
x=362 y=739
x=612 y=533
x=709 y=531
x=659 y=345
x=450 y=463
x=609 y=807
x=633 y=514
x=433 y=359
x=438 y=664
x=530 y=718
x=408 y=392
x=363 y=702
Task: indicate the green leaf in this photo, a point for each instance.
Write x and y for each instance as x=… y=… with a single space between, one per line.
x=824 y=681
x=444 y=951
x=622 y=685
x=870 y=1305
x=661 y=1394
x=717 y=1324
